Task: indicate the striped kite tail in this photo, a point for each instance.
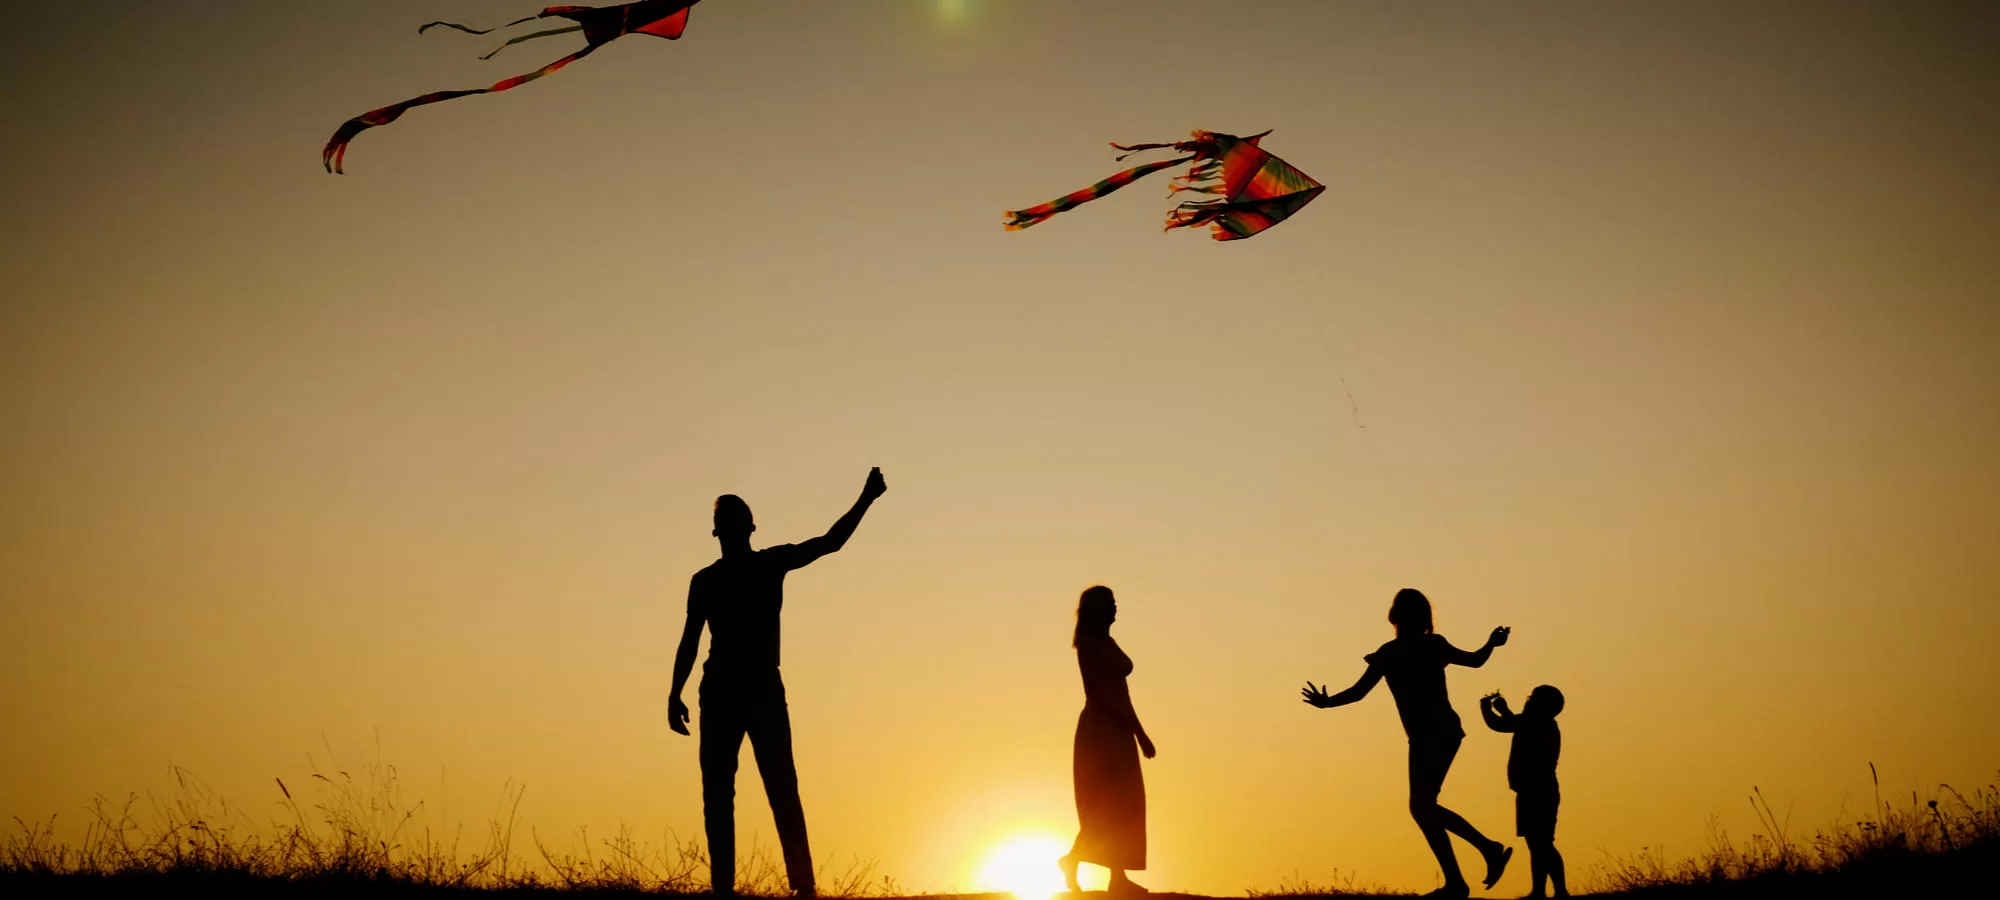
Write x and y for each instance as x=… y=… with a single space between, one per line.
x=336 y=149
x=1022 y=218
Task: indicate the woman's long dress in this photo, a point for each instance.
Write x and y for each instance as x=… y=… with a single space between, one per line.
x=1110 y=792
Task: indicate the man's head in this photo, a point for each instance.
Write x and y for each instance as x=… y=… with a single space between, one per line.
x=732 y=518
x=1544 y=701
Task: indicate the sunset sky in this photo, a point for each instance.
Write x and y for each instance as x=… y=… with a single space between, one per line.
x=1672 y=331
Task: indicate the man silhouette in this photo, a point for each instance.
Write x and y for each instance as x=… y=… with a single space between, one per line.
x=738 y=598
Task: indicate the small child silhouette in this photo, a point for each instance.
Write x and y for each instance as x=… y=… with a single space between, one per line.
x=1531 y=772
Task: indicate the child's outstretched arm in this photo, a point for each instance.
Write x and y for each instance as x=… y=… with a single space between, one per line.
x=1493 y=708
x=1319 y=698
x=1477 y=658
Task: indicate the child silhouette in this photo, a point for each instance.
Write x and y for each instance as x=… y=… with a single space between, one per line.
x=1414 y=665
x=1531 y=772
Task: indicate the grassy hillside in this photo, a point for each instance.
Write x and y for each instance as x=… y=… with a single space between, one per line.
x=354 y=836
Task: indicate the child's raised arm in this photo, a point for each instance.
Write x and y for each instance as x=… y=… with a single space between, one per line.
x=1477 y=658
x=1493 y=708
x=1320 y=699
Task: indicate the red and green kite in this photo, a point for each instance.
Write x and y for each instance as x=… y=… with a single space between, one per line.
x=1255 y=189
x=600 y=25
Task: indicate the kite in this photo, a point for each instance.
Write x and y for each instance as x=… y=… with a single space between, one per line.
x=600 y=25
x=1256 y=190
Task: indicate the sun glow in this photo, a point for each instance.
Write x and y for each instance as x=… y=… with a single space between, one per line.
x=1025 y=866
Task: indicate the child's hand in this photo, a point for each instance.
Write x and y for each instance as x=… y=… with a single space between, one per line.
x=1499 y=638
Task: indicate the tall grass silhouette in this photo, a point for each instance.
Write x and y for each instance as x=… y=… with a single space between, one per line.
x=1346 y=884
x=359 y=832
x=1948 y=844
x=1943 y=846
x=347 y=832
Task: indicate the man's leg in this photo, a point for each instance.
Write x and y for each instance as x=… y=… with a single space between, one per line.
x=770 y=727
x=721 y=739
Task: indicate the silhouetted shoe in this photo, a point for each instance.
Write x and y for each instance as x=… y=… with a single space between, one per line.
x=805 y=893
x=1452 y=892
x=1068 y=866
x=1496 y=863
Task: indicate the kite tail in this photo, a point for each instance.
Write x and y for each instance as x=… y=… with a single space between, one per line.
x=336 y=149
x=1022 y=218
x=529 y=37
x=471 y=30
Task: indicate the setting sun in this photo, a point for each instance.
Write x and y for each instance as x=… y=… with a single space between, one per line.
x=1025 y=866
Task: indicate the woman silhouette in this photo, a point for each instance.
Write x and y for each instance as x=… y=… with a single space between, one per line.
x=1414 y=664
x=1110 y=792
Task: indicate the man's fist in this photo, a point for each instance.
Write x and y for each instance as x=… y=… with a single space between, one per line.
x=875 y=487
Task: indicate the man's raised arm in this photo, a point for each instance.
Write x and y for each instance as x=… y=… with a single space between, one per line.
x=836 y=537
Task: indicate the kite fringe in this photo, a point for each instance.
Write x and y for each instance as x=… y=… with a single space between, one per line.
x=1194 y=212
x=1204 y=177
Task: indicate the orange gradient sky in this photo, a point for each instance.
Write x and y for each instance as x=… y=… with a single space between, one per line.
x=1672 y=327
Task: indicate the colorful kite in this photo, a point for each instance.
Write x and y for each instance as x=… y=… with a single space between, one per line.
x=600 y=25
x=1257 y=190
